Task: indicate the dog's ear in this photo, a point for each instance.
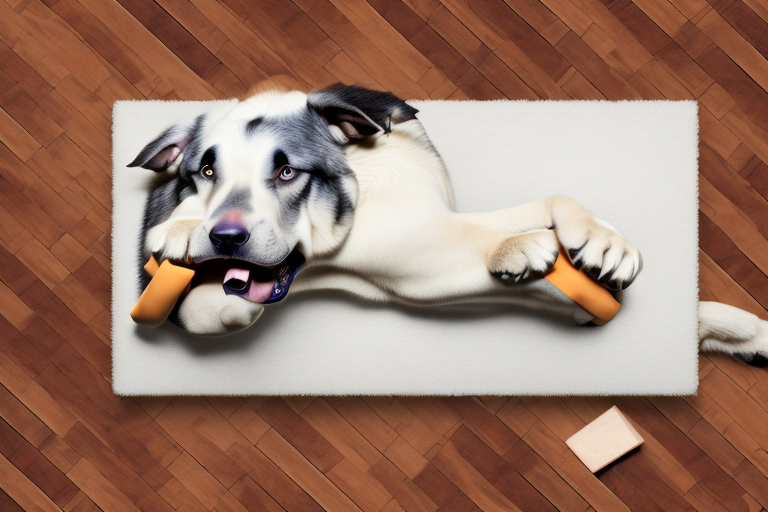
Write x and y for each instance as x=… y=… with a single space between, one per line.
x=162 y=152
x=354 y=113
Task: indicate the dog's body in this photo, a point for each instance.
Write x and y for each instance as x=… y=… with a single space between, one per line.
x=348 y=180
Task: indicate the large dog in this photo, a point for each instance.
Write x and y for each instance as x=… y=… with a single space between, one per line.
x=344 y=184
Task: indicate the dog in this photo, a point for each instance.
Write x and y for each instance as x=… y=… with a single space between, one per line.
x=344 y=185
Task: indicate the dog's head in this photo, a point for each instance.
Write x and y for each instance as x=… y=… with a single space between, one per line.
x=254 y=192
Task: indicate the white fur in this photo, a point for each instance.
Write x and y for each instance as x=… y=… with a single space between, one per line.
x=727 y=329
x=409 y=245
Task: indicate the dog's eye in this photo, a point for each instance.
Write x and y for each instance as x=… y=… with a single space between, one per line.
x=287 y=173
x=207 y=171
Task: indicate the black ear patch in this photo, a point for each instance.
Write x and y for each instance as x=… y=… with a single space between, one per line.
x=159 y=154
x=359 y=112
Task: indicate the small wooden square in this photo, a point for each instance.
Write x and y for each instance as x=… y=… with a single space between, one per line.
x=604 y=440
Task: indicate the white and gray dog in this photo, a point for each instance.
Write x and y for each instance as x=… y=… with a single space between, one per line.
x=344 y=185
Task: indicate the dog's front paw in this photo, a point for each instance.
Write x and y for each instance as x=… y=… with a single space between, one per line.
x=522 y=256
x=605 y=256
x=170 y=239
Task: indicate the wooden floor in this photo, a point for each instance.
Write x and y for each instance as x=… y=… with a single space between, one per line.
x=67 y=442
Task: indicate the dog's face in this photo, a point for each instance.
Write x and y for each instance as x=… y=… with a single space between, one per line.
x=254 y=192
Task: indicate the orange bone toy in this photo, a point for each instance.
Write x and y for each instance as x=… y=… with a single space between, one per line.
x=583 y=290
x=157 y=301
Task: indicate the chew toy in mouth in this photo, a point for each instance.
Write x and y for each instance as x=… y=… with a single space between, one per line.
x=264 y=285
x=170 y=281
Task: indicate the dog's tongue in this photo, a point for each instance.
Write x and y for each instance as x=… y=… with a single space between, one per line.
x=238 y=282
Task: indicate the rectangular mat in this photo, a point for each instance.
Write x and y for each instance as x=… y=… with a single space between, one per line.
x=632 y=163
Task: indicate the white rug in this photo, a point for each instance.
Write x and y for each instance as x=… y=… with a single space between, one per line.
x=632 y=163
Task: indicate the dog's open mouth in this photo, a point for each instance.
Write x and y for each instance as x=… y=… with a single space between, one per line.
x=252 y=282
x=262 y=284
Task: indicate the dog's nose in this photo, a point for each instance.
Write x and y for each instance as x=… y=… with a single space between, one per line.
x=228 y=237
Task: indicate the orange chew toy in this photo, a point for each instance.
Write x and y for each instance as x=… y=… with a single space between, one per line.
x=584 y=291
x=157 y=301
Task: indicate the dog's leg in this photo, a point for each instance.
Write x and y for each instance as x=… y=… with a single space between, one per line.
x=593 y=244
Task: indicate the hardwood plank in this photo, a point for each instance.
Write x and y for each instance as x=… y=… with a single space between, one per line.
x=70 y=252
x=564 y=462
x=360 y=486
x=253 y=497
x=349 y=443
x=202 y=485
x=21 y=419
x=180 y=420
x=361 y=50
x=750 y=97
x=59 y=453
x=109 y=46
x=571 y=15
x=39 y=470
x=425 y=39
x=731 y=42
x=540 y=19
x=303 y=473
x=272 y=478
x=402 y=488
x=21 y=490
x=721 y=287
x=723 y=251
x=366 y=18
x=18 y=139
x=666 y=16
x=201 y=61
x=108 y=464
x=16 y=68
x=716 y=135
x=248 y=423
x=493 y=468
x=487 y=426
x=35 y=397
x=472 y=483
x=595 y=69
x=642 y=27
x=300 y=434
x=542 y=477
x=717 y=101
x=505 y=23
x=404 y=422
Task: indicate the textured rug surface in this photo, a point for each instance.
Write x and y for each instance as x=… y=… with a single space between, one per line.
x=632 y=163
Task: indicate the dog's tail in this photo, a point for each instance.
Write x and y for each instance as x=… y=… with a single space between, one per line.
x=731 y=330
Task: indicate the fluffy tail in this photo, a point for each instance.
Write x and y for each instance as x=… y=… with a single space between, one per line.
x=727 y=329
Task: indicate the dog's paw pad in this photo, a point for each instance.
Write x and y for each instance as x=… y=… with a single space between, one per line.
x=521 y=257
x=607 y=258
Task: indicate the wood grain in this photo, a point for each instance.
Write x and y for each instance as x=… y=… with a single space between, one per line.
x=67 y=443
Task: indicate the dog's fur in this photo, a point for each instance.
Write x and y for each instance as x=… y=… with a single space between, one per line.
x=366 y=200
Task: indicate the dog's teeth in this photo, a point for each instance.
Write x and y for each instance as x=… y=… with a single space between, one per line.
x=504 y=277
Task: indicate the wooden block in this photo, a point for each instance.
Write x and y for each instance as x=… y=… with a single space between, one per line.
x=604 y=440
